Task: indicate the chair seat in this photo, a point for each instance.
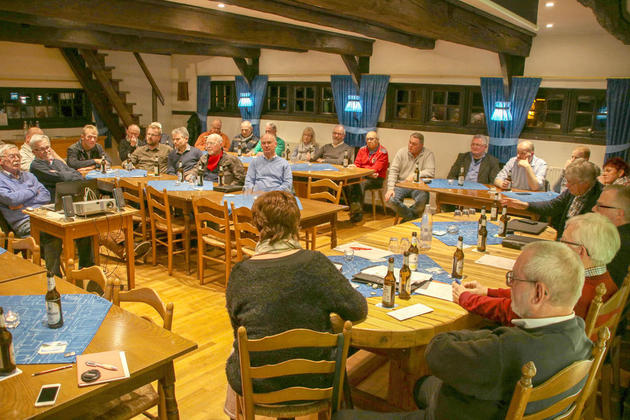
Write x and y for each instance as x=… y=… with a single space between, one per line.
x=210 y=240
x=125 y=406
x=291 y=410
x=178 y=226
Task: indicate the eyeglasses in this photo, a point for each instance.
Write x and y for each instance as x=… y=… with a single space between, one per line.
x=510 y=279
x=12 y=156
x=575 y=244
x=603 y=206
x=42 y=149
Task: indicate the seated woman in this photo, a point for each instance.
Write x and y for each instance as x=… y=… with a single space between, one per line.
x=615 y=171
x=596 y=241
x=283 y=287
x=306 y=147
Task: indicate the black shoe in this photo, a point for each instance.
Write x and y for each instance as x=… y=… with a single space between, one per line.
x=142 y=249
x=356 y=218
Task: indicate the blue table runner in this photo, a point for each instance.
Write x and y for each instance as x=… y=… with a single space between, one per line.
x=531 y=196
x=466 y=229
x=117 y=173
x=304 y=167
x=468 y=185
x=172 y=185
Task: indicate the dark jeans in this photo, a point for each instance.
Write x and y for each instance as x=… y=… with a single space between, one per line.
x=421 y=198
x=356 y=193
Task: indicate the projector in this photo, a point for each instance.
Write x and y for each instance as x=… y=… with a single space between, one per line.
x=88 y=208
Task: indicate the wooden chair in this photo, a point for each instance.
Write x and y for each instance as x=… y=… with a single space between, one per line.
x=134 y=193
x=212 y=222
x=568 y=407
x=141 y=399
x=608 y=315
x=85 y=275
x=169 y=227
x=245 y=233
x=322 y=190
x=377 y=193
x=27 y=245
x=326 y=400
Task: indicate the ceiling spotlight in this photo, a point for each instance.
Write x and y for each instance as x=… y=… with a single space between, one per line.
x=221 y=5
x=550 y=4
x=549 y=25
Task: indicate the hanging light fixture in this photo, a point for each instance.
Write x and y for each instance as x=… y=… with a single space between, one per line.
x=245 y=100
x=354 y=104
x=501 y=111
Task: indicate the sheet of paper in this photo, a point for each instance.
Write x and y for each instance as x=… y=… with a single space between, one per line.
x=410 y=311
x=381 y=271
x=365 y=251
x=498 y=262
x=436 y=289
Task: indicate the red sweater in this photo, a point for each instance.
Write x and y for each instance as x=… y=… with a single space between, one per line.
x=379 y=161
x=497 y=305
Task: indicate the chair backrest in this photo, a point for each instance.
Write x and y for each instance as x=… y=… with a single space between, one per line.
x=212 y=219
x=324 y=190
x=159 y=207
x=133 y=193
x=245 y=233
x=568 y=406
x=148 y=296
x=297 y=338
x=606 y=314
x=24 y=244
x=93 y=273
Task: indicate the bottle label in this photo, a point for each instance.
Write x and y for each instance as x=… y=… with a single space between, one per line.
x=11 y=361
x=388 y=295
x=413 y=261
x=53 y=311
x=501 y=229
x=479 y=241
x=459 y=267
x=493 y=213
x=51 y=283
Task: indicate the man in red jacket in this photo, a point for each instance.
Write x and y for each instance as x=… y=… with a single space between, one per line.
x=373 y=156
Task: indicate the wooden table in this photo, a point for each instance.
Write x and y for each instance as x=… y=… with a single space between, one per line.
x=91 y=226
x=404 y=342
x=150 y=351
x=15 y=267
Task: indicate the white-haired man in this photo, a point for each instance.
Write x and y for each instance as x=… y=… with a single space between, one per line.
x=580 y=152
x=246 y=139
x=526 y=170
x=183 y=152
x=334 y=152
x=26 y=151
x=478 y=165
x=217 y=158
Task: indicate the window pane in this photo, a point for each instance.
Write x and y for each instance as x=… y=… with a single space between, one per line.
x=438 y=113
x=583 y=121
x=585 y=104
x=478 y=119
x=310 y=93
x=299 y=92
x=453 y=98
x=438 y=97
x=310 y=106
x=555 y=103
x=402 y=95
x=553 y=120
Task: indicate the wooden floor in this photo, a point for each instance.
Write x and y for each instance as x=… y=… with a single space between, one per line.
x=200 y=316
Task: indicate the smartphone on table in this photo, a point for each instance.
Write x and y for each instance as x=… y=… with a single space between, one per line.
x=47 y=395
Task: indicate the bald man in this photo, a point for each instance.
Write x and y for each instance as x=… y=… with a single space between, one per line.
x=580 y=152
x=215 y=128
x=129 y=144
x=526 y=170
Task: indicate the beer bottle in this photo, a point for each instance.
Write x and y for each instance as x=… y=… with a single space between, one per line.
x=200 y=175
x=239 y=150
x=413 y=252
x=156 y=167
x=389 y=285
x=509 y=180
x=287 y=154
x=482 y=236
x=483 y=215
x=180 y=172
x=220 y=175
x=53 y=304
x=504 y=222
x=416 y=176
x=460 y=179
x=129 y=165
x=7 y=354
x=103 y=165
x=458 y=260
x=494 y=211
x=404 y=291
x=346 y=159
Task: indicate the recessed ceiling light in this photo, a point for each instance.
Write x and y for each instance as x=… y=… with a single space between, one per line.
x=220 y=5
x=550 y=4
x=549 y=25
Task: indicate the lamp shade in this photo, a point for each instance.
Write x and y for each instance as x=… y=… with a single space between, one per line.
x=245 y=100
x=353 y=104
x=501 y=111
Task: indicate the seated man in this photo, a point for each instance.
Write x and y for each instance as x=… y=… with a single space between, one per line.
x=246 y=139
x=269 y=172
x=402 y=169
x=373 y=156
x=526 y=171
x=579 y=152
x=581 y=194
x=145 y=156
x=188 y=156
x=129 y=144
x=334 y=152
x=164 y=138
x=233 y=170
x=614 y=203
x=86 y=154
x=215 y=128
x=26 y=152
x=270 y=128
x=591 y=236
x=478 y=165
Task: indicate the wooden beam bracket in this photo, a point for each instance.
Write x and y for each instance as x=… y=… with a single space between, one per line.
x=356 y=66
x=249 y=70
x=511 y=65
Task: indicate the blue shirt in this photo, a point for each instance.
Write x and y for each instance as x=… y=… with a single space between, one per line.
x=189 y=158
x=18 y=193
x=473 y=169
x=519 y=174
x=269 y=174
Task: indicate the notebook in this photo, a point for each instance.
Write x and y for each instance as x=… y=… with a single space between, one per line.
x=527 y=226
x=518 y=241
x=112 y=358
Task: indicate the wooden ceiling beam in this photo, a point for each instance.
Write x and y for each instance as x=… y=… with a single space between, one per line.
x=511 y=65
x=176 y=19
x=248 y=70
x=90 y=39
x=448 y=20
x=333 y=20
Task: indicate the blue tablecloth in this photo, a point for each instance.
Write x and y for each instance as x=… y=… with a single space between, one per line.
x=304 y=167
x=82 y=317
x=246 y=159
x=468 y=185
x=117 y=173
x=172 y=185
x=466 y=229
x=2 y=251
x=358 y=264
x=242 y=200
x=531 y=196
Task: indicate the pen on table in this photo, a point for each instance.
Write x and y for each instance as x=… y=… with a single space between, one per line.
x=52 y=370
x=358 y=248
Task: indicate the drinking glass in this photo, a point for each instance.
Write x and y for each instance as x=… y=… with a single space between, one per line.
x=404 y=245
x=451 y=181
x=465 y=212
x=11 y=319
x=393 y=245
x=452 y=229
x=348 y=254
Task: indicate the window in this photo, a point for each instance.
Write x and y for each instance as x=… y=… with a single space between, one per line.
x=304 y=98
x=591 y=113
x=327 y=101
x=446 y=105
x=50 y=108
x=277 y=98
x=300 y=99
x=477 y=116
x=223 y=97
x=407 y=103
x=547 y=110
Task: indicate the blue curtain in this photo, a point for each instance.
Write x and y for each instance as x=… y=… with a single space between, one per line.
x=203 y=100
x=372 y=92
x=258 y=91
x=618 y=122
x=504 y=134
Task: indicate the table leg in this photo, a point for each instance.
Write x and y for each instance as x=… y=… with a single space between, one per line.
x=68 y=250
x=131 y=260
x=333 y=231
x=168 y=386
x=96 y=243
x=403 y=374
x=187 y=238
